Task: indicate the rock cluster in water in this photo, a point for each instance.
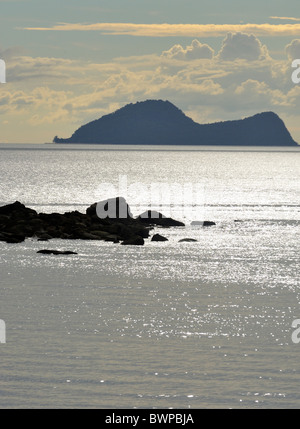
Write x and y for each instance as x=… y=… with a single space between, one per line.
x=108 y=220
x=18 y=222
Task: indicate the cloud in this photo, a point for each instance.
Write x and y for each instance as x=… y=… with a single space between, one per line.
x=175 y=30
x=11 y=53
x=242 y=46
x=195 y=50
x=252 y=93
x=43 y=69
x=52 y=96
x=235 y=46
x=293 y=49
x=285 y=18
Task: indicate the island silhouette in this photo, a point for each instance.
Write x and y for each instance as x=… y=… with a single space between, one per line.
x=159 y=122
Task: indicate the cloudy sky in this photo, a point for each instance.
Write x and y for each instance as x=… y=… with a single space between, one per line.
x=71 y=61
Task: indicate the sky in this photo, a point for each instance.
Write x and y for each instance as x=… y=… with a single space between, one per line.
x=71 y=61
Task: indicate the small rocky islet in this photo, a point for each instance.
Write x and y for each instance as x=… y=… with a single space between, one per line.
x=18 y=222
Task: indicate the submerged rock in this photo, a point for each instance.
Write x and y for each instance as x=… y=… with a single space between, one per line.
x=187 y=240
x=203 y=223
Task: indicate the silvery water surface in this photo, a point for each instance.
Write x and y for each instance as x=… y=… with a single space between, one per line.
x=167 y=325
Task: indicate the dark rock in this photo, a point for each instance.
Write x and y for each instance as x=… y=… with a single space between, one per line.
x=152 y=214
x=152 y=217
x=83 y=235
x=4 y=219
x=15 y=239
x=43 y=236
x=11 y=237
x=203 y=223
x=112 y=208
x=100 y=233
x=17 y=222
x=36 y=223
x=112 y=238
x=17 y=209
x=136 y=241
x=158 y=237
x=187 y=240
x=56 y=252
x=65 y=236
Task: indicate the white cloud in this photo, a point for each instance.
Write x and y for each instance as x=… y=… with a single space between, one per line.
x=175 y=30
x=253 y=93
x=285 y=18
x=242 y=46
x=54 y=96
x=196 y=50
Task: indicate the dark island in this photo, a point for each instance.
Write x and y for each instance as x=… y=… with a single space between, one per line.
x=157 y=122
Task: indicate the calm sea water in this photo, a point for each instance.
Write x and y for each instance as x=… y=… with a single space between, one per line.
x=183 y=325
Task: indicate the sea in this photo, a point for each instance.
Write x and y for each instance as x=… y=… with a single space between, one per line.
x=203 y=324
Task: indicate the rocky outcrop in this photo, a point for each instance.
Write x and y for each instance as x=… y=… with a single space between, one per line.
x=18 y=222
